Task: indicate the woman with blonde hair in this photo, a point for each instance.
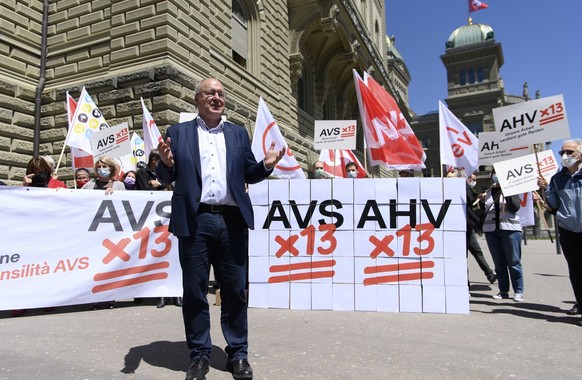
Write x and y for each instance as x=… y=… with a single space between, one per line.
x=106 y=170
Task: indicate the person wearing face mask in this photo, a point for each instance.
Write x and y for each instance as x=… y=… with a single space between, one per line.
x=502 y=230
x=318 y=170
x=564 y=198
x=106 y=170
x=473 y=225
x=82 y=176
x=352 y=170
x=39 y=174
x=129 y=179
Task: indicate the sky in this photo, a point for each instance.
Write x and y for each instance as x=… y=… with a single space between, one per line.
x=541 y=42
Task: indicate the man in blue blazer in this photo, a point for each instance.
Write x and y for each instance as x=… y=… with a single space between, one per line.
x=210 y=162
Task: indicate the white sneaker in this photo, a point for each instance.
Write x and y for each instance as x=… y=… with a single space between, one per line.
x=501 y=295
x=518 y=297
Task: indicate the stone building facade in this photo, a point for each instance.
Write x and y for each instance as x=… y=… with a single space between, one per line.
x=297 y=54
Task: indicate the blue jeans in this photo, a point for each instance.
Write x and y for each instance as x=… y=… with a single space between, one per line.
x=220 y=240
x=505 y=248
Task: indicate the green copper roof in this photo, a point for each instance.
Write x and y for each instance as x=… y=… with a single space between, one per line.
x=469 y=34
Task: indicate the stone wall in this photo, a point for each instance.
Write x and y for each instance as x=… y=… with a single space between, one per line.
x=155 y=49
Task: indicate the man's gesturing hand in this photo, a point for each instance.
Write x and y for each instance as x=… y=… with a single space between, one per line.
x=273 y=157
x=166 y=153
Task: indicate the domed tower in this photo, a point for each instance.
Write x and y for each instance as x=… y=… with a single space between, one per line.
x=473 y=59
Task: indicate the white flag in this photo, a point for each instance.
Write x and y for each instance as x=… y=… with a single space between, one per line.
x=266 y=132
x=129 y=161
x=459 y=147
x=151 y=133
x=87 y=119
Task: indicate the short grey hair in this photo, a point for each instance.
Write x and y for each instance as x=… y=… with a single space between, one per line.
x=578 y=142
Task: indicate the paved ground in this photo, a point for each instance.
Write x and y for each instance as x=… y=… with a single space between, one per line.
x=499 y=339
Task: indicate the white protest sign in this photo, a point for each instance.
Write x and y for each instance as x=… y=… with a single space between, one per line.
x=334 y=134
x=519 y=175
x=492 y=150
x=532 y=122
x=369 y=244
x=112 y=142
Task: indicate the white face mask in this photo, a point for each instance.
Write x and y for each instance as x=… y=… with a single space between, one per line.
x=472 y=184
x=494 y=178
x=319 y=173
x=352 y=174
x=568 y=161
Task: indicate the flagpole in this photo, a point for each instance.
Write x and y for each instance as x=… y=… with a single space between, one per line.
x=61 y=155
x=366 y=157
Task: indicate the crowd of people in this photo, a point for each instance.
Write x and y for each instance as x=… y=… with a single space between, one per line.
x=40 y=172
x=208 y=162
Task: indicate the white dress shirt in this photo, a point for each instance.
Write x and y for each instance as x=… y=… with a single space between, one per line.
x=213 y=165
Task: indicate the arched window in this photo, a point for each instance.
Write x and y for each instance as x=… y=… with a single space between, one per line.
x=240 y=34
x=471 y=75
x=462 y=77
x=377 y=34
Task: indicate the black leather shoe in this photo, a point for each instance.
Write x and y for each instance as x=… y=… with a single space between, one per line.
x=241 y=369
x=574 y=310
x=178 y=301
x=161 y=302
x=197 y=370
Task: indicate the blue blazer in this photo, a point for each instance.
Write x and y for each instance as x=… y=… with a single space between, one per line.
x=241 y=168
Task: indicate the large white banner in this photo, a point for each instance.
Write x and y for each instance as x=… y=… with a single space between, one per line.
x=532 y=122
x=71 y=247
x=360 y=244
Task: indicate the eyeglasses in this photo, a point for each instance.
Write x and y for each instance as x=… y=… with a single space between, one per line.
x=212 y=93
x=566 y=151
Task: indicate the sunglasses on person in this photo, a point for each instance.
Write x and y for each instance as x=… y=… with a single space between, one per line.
x=566 y=151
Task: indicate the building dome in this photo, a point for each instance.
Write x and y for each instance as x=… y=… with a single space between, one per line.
x=392 y=50
x=469 y=34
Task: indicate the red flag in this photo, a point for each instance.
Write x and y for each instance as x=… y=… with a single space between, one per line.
x=386 y=146
x=389 y=104
x=475 y=5
x=334 y=162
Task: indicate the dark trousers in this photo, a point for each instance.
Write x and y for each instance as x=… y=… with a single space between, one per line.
x=220 y=240
x=475 y=249
x=571 y=243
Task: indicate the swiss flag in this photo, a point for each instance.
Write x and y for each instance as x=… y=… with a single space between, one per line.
x=386 y=146
x=475 y=5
